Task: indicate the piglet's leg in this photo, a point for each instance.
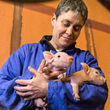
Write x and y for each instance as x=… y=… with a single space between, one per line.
x=60 y=76
x=75 y=88
x=44 y=108
x=40 y=103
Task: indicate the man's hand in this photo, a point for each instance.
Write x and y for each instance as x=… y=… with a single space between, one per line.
x=38 y=85
x=35 y=87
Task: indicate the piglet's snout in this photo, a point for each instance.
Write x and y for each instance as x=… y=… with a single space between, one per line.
x=71 y=59
x=103 y=79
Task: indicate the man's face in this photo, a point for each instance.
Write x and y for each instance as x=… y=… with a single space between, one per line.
x=66 y=29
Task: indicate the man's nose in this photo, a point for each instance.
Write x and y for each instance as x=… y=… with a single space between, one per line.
x=69 y=30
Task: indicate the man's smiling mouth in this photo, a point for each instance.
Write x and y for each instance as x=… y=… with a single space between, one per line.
x=67 y=38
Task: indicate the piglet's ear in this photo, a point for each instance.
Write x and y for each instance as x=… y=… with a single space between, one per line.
x=85 y=68
x=48 y=56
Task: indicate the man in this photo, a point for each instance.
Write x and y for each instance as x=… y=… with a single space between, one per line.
x=69 y=18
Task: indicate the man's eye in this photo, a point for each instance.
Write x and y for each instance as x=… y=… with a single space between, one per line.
x=77 y=29
x=66 y=24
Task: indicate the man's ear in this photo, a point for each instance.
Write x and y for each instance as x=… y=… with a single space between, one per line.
x=53 y=20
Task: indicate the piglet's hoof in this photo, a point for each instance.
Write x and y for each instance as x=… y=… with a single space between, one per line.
x=42 y=105
x=76 y=97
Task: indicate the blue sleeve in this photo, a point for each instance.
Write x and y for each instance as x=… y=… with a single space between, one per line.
x=93 y=97
x=9 y=72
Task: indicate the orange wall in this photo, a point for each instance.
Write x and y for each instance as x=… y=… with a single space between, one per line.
x=36 y=22
x=6 y=22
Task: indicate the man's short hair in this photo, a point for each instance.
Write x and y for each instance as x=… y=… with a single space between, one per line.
x=77 y=6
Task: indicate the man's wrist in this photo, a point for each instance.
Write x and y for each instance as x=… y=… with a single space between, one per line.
x=46 y=89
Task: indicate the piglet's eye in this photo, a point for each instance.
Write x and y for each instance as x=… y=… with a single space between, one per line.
x=96 y=72
x=58 y=56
